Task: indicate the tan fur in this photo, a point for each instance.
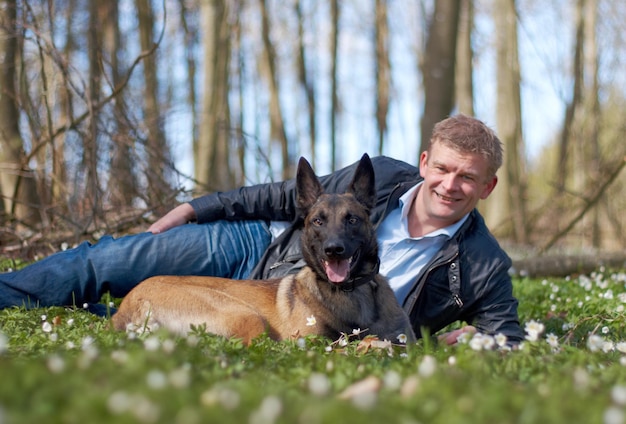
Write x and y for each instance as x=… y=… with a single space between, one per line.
x=246 y=308
x=337 y=229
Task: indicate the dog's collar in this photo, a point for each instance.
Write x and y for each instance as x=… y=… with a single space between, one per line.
x=355 y=282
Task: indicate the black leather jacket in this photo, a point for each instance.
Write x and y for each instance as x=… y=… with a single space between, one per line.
x=467 y=280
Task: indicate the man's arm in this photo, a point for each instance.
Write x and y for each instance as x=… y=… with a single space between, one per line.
x=497 y=312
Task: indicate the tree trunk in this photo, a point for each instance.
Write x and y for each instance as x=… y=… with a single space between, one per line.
x=277 y=122
x=92 y=198
x=383 y=71
x=334 y=99
x=122 y=183
x=439 y=66
x=18 y=185
x=306 y=83
x=464 y=86
x=212 y=158
x=591 y=139
x=509 y=119
x=562 y=169
x=158 y=165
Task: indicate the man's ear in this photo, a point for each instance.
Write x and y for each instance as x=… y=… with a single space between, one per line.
x=489 y=187
x=423 y=162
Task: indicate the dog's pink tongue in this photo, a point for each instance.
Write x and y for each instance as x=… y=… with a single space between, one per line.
x=337 y=271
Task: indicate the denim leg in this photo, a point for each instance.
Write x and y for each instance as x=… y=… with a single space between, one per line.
x=223 y=249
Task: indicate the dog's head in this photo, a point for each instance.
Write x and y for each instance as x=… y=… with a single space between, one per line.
x=339 y=241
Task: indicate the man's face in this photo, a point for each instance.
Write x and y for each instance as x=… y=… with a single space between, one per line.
x=454 y=182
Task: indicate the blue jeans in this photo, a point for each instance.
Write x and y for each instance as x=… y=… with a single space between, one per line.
x=82 y=275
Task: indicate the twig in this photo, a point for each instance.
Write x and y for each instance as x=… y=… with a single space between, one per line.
x=590 y=203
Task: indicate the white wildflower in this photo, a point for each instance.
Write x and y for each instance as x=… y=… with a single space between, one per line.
x=180 y=377
x=613 y=415
x=552 y=340
x=595 y=343
x=311 y=321
x=533 y=330
x=46 y=327
x=392 y=380
x=229 y=399
x=402 y=338
x=4 y=343
x=55 y=364
x=270 y=409
x=120 y=356
x=500 y=339
x=488 y=342
x=119 y=402
x=168 y=345
x=156 y=380
x=608 y=346
x=464 y=338
x=319 y=384
x=428 y=366
x=476 y=342
x=151 y=344
x=621 y=346
x=618 y=394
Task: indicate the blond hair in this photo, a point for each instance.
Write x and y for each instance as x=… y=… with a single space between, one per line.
x=469 y=135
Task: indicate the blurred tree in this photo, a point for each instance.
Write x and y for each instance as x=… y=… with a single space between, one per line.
x=212 y=149
x=18 y=185
x=562 y=170
x=277 y=121
x=438 y=66
x=159 y=193
x=383 y=71
x=509 y=122
x=123 y=185
x=334 y=98
x=464 y=75
x=306 y=82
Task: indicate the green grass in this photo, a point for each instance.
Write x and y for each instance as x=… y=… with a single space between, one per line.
x=64 y=365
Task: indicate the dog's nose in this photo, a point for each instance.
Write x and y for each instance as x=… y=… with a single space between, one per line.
x=334 y=249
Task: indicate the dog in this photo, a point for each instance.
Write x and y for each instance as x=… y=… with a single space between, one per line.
x=338 y=291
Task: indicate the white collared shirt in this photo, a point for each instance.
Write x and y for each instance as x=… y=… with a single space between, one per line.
x=402 y=257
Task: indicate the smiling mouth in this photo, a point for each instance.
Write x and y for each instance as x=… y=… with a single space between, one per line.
x=446 y=198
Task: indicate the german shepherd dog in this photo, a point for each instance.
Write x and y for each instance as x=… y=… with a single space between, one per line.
x=338 y=291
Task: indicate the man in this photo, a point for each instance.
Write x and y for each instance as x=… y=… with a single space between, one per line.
x=439 y=256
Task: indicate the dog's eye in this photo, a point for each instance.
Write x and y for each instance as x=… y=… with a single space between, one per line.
x=317 y=221
x=353 y=220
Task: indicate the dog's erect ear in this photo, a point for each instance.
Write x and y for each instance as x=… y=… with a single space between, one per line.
x=363 y=185
x=308 y=187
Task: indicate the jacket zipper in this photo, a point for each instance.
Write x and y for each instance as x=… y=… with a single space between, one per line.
x=422 y=282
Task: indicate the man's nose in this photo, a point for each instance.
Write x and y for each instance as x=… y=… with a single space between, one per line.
x=450 y=181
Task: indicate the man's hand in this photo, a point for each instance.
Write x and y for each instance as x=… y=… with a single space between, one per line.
x=451 y=337
x=180 y=215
